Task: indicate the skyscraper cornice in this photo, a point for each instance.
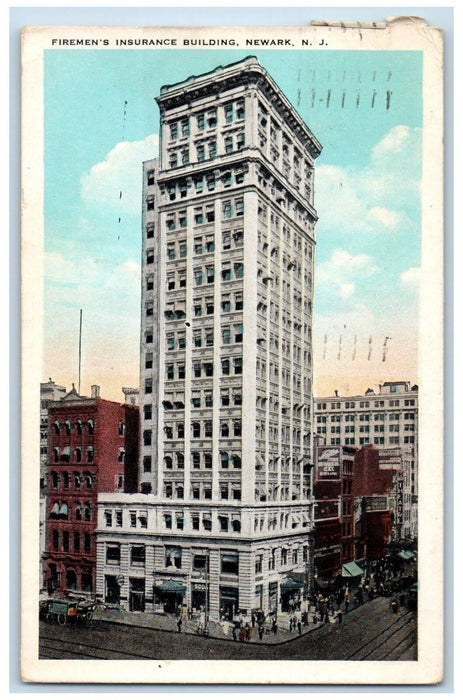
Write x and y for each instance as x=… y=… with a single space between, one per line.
x=248 y=72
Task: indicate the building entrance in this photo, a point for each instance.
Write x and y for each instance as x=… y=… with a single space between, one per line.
x=112 y=590
x=229 y=599
x=137 y=594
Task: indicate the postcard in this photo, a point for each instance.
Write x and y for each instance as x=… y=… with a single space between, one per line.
x=232 y=354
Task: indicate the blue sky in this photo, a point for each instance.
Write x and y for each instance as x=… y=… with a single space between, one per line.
x=101 y=122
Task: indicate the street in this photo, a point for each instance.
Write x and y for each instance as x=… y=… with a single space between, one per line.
x=370 y=632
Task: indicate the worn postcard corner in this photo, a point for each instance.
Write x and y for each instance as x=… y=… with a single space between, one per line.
x=232 y=354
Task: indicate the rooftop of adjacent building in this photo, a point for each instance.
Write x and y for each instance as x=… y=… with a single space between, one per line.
x=397 y=387
x=73 y=398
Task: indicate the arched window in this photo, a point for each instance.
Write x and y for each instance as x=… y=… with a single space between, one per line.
x=66 y=480
x=78 y=511
x=121 y=428
x=88 y=511
x=79 y=427
x=236 y=525
x=224 y=460
x=91 y=426
x=78 y=454
x=224 y=430
x=90 y=455
x=55 y=454
x=77 y=480
x=196 y=430
x=196 y=459
x=236 y=462
x=180 y=460
x=64 y=510
x=121 y=457
x=68 y=427
x=57 y=427
x=55 y=479
x=168 y=462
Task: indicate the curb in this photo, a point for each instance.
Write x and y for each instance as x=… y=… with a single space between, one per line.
x=209 y=636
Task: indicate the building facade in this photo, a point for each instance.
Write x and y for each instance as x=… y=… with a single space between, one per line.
x=335 y=511
x=49 y=391
x=226 y=341
x=388 y=418
x=93 y=446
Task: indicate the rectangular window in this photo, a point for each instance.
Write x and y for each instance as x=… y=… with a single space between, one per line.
x=113 y=553
x=137 y=555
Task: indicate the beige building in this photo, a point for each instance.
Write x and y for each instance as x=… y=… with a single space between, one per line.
x=388 y=418
x=226 y=350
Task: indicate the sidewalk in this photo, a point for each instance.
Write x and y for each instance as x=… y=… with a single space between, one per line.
x=168 y=623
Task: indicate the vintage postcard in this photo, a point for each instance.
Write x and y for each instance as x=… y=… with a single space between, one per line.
x=232 y=354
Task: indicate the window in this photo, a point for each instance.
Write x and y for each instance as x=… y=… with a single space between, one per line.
x=229 y=563
x=137 y=555
x=87 y=543
x=258 y=563
x=113 y=553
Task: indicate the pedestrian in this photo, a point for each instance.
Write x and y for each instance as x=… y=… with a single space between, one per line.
x=339 y=616
x=253 y=619
x=315 y=619
x=299 y=627
x=326 y=618
x=395 y=606
x=235 y=632
x=274 y=626
x=261 y=631
x=248 y=628
x=290 y=624
x=243 y=634
x=190 y=613
x=179 y=623
x=346 y=605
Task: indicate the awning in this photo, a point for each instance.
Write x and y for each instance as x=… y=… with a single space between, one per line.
x=55 y=509
x=66 y=451
x=172 y=586
x=351 y=570
x=406 y=556
x=291 y=585
x=64 y=510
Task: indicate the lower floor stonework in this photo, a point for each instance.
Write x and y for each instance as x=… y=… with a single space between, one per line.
x=66 y=575
x=221 y=578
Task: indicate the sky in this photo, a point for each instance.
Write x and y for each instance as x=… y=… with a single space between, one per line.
x=101 y=122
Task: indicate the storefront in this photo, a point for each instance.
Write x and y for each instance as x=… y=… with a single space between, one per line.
x=199 y=596
x=170 y=594
x=291 y=595
x=137 y=594
x=229 y=602
x=112 y=590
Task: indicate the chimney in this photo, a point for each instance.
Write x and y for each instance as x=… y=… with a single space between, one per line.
x=95 y=391
x=335 y=392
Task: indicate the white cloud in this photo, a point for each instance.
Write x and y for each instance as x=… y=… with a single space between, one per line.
x=343 y=267
x=378 y=198
x=346 y=290
x=411 y=278
x=117 y=180
x=387 y=218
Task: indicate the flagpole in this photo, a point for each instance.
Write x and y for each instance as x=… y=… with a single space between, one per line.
x=80 y=344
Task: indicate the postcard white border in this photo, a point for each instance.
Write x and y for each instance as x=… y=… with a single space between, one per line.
x=429 y=667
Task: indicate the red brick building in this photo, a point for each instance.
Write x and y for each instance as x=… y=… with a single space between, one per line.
x=375 y=472
x=354 y=493
x=334 y=509
x=93 y=448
